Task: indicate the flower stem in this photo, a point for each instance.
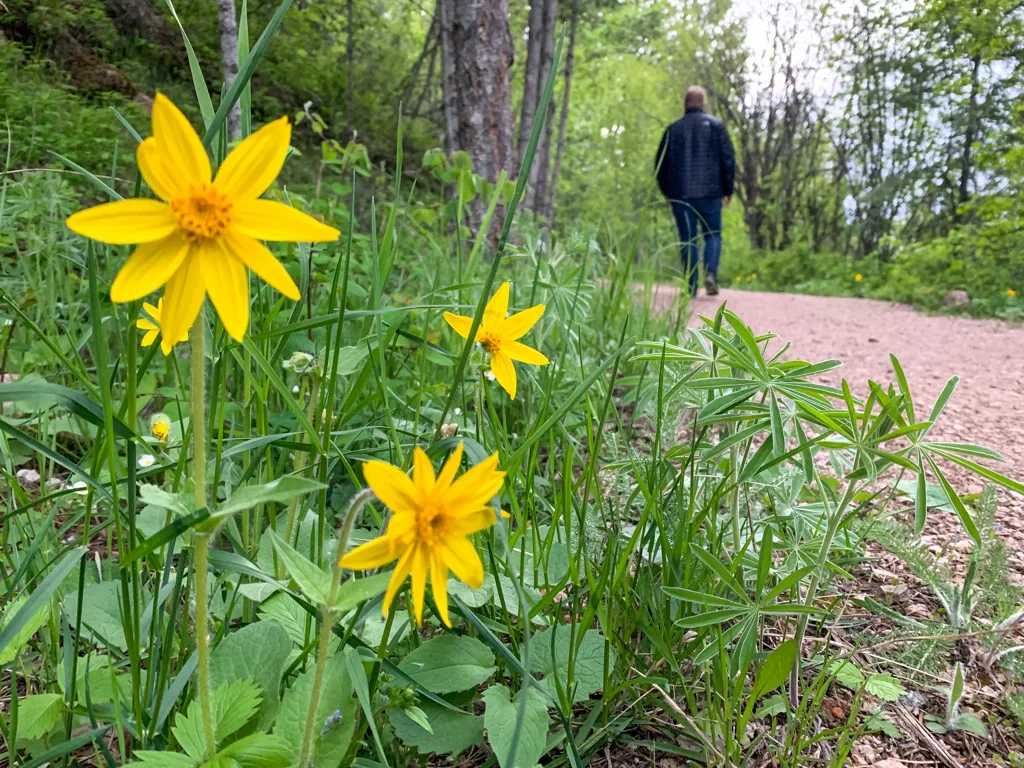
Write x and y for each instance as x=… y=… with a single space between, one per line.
x=330 y=614
x=201 y=540
x=301 y=458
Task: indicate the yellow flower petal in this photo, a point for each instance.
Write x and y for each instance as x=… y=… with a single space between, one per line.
x=447 y=474
x=420 y=566
x=154 y=312
x=439 y=586
x=269 y=220
x=497 y=307
x=475 y=488
x=253 y=165
x=459 y=324
x=257 y=257
x=372 y=554
x=392 y=486
x=398 y=578
x=183 y=299
x=160 y=178
x=150 y=266
x=520 y=323
x=227 y=283
x=523 y=353
x=474 y=522
x=150 y=337
x=422 y=472
x=124 y=222
x=145 y=324
x=179 y=144
x=504 y=372
x=460 y=555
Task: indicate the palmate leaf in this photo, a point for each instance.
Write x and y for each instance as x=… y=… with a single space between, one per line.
x=234 y=705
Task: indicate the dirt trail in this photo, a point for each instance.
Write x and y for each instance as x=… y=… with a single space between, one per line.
x=988 y=356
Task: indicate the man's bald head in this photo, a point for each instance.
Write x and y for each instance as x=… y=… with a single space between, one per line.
x=695 y=97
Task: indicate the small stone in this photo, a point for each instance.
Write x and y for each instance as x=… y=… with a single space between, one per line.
x=957 y=299
x=889 y=762
x=964 y=546
x=28 y=478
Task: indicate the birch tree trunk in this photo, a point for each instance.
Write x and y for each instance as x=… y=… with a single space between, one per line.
x=229 y=61
x=477 y=52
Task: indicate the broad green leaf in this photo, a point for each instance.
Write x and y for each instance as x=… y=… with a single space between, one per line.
x=313 y=581
x=12 y=628
x=38 y=714
x=553 y=660
x=450 y=663
x=969 y=722
x=335 y=697
x=290 y=615
x=189 y=732
x=501 y=716
x=775 y=669
x=156 y=496
x=101 y=612
x=773 y=705
x=255 y=652
x=474 y=598
x=356 y=591
x=846 y=673
x=884 y=686
x=281 y=491
x=234 y=704
x=956 y=690
x=419 y=717
x=451 y=733
x=260 y=750
x=151 y=759
x=98 y=679
x=28 y=627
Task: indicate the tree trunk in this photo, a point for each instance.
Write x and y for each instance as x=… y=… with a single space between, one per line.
x=477 y=53
x=229 y=61
x=350 y=54
x=563 y=117
x=970 y=135
x=531 y=76
x=541 y=167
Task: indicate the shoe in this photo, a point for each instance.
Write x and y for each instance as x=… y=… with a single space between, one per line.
x=711 y=285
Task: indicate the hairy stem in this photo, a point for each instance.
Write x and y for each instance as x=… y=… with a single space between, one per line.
x=330 y=614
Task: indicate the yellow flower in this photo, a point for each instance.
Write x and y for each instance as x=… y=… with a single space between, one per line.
x=499 y=336
x=1010 y=292
x=432 y=519
x=151 y=325
x=858 y=277
x=161 y=427
x=203 y=233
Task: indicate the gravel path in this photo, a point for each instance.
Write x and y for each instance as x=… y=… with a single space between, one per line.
x=988 y=356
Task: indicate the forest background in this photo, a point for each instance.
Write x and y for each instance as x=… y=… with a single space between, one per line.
x=878 y=144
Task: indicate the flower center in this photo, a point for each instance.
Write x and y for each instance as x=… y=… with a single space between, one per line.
x=489 y=341
x=430 y=525
x=202 y=213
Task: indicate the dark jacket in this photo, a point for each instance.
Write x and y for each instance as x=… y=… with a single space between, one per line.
x=695 y=159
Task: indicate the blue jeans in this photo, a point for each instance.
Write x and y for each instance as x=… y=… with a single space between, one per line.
x=703 y=216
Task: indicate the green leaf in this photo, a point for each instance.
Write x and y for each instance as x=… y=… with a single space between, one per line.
x=969 y=722
x=156 y=496
x=419 y=717
x=14 y=627
x=101 y=612
x=474 y=598
x=68 y=398
x=356 y=591
x=877 y=722
x=256 y=652
x=38 y=714
x=18 y=640
x=884 y=686
x=189 y=732
x=450 y=663
x=260 y=750
x=775 y=669
x=501 y=716
x=773 y=705
x=335 y=697
x=956 y=690
x=162 y=759
x=313 y=582
x=551 y=654
x=234 y=704
x=451 y=733
x=847 y=674
x=281 y=491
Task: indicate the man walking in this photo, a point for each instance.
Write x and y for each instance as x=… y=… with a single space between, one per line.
x=696 y=169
